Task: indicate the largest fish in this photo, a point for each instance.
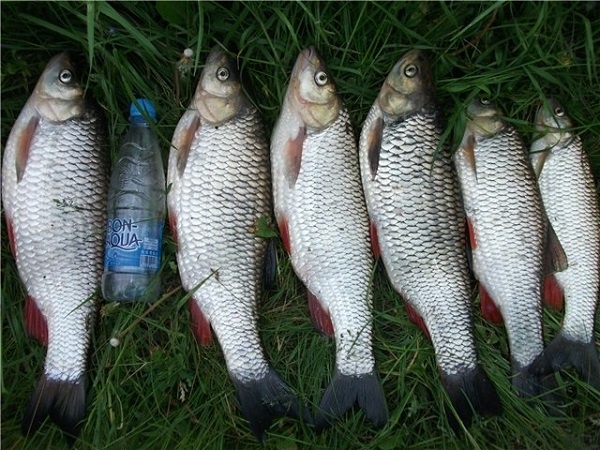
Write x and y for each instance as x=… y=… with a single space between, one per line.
x=507 y=230
x=54 y=186
x=219 y=189
x=417 y=224
x=571 y=203
x=322 y=218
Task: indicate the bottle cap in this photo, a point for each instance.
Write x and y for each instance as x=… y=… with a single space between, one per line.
x=134 y=113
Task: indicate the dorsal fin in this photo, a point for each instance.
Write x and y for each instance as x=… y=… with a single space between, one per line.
x=555 y=258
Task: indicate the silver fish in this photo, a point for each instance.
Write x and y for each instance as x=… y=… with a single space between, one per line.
x=322 y=217
x=507 y=234
x=571 y=204
x=418 y=227
x=54 y=186
x=219 y=189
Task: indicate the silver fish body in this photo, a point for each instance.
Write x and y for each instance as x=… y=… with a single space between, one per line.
x=418 y=224
x=504 y=211
x=54 y=185
x=571 y=204
x=320 y=209
x=219 y=189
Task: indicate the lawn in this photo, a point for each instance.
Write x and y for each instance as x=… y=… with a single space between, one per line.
x=158 y=389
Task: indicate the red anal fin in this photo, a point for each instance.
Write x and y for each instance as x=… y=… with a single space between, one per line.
x=319 y=315
x=553 y=295
x=284 y=233
x=293 y=156
x=11 y=237
x=416 y=318
x=489 y=310
x=200 y=324
x=374 y=240
x=374 y=145
x=24 y=146
x=183 y=143
x=35 y=322
x=173 y=226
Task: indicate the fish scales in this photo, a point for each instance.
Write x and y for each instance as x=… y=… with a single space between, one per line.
x=508 y=234
x=218 y=209
x=415 y=208
x=219 y=173
x=54 y=182
x=512 y=232
x=571 y=203
x=321 y=213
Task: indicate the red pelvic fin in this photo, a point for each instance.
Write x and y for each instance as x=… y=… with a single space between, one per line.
x=173 y=226
x=553 y=295
x=11 y=237
x=293 y=156
x=24 y=146
x=35 y=322
x=489 y=310
x=200 y=324
x=320 y=316
x=374 y=241
x=416 y=318
x=284 y=233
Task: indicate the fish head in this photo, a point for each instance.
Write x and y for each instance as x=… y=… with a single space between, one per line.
x=312 y=92
x=219 y=95
x=552 y=123
x=408 y=87
x=58 y=96
x=484 y=118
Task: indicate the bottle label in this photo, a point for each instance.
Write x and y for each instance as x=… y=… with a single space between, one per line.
x=133 y=245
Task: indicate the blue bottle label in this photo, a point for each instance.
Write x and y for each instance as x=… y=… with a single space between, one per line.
x=133 y=245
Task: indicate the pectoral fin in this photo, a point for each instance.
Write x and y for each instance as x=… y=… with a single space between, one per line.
x=24 y=145
x=293 y=156
x=555 y=258
x=374 y=145
x=183 y=137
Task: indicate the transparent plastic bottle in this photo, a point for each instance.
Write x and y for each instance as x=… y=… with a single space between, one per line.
x=136 y=210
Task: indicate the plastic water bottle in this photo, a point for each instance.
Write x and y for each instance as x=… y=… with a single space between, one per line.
x=136 y=209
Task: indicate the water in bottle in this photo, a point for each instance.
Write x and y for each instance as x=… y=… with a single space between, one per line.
x=136 y=209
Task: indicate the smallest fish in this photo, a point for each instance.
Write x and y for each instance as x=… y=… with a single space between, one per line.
x=571 y=203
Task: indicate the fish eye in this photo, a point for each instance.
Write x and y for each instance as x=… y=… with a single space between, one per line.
x=559 y=111
x=321 y=78
x=485 y=101
x=65 y=76
x=223 y=74
x=411 y=70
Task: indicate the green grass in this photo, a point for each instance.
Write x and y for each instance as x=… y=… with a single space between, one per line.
x=159 y=389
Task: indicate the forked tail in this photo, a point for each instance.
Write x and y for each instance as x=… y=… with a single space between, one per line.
x=563 y=352
x=265 y=399
x=346 y=390
x=62 y=400
x=470 y=393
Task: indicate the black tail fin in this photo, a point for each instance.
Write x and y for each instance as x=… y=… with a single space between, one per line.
x=471 y=392
x=529 y=385
x=62 y=400
x=263 y=400
x=346 y=390
x=563 y=352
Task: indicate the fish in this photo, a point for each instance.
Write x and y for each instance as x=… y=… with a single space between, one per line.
x=507 y=237
x=54 y=190
x=219 y=188
x=418 y=227
x=322 y=218
x=571 y=204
